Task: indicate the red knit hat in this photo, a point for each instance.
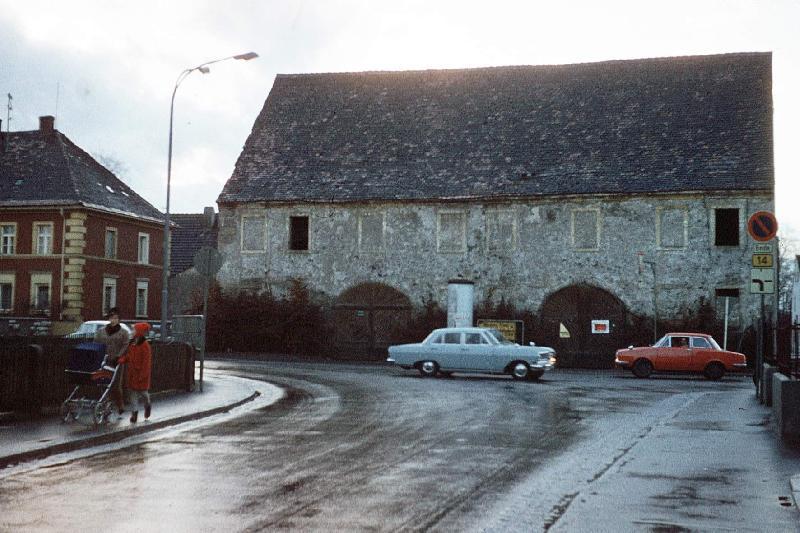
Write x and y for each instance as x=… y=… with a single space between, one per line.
x=140 y=329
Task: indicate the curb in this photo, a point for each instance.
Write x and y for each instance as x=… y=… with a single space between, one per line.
x=116 y=436
x=794 y=482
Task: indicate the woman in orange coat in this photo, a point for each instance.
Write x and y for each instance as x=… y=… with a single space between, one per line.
x=139 y=359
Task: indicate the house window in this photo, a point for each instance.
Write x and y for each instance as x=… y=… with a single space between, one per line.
x=40 y=292
x=671 y=228
x=109 y=294
x=254 y=234
x=43 y=238
x=111 y=243
x=144 y=248
x=8 y=239
x=726 y=227
x=501 y=231
x=298 y=233
x=6 y=293
x=370 y=232
x=451 y=235
x=141 y=298
x=586 y=229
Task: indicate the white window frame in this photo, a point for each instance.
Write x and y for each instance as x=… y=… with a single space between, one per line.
x=109 y=282
x=37 y=234
x=659 y=211
x=143 y=250
x=5 y=249
x=142 y=284
x=364 y=247
x=113 y=253
x=598 y=224
x=462 y=246
x=242 y=240
x=497 y=214
x=8 y=278
x=39 y=279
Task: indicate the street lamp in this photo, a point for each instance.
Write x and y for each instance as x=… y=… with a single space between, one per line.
x=203 y=68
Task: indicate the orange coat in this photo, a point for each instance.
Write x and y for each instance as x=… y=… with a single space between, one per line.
x=139 y=359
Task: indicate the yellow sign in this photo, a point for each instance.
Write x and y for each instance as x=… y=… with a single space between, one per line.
x=762 y=260
x=508 y=328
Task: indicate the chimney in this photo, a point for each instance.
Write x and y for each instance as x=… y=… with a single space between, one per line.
x=208 y=212
x=47 y=124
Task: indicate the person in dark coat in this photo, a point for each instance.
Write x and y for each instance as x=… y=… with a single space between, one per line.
x=139 y=362
x=116 y=339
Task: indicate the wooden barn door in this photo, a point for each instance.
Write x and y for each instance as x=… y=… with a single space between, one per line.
x=566 y=325
x=365 y=318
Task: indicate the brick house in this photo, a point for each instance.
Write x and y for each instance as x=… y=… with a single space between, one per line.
x=611 y=191
x=74 y=239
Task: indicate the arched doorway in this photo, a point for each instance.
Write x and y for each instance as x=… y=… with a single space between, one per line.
x=366 y=315
x=566 y=325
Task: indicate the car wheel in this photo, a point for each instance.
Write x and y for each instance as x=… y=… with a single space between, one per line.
x=642 y=368
x=520 y=370
x=714 y=371
x=428 y=369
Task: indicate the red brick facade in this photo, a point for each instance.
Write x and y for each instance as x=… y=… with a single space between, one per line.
x=70 y=266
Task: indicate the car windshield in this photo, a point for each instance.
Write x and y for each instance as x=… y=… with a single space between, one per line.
x=87 y=328
x=662 y=342
x=498 y=336
x=714 y=343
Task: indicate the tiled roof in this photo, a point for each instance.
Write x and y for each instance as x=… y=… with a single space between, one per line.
x=191 y=232
x=46 y=168
x=634 y=126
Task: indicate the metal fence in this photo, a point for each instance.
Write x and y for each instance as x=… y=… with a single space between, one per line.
x=787 y=349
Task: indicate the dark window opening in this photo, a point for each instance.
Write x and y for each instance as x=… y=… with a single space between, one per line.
x=298 y=233
x=727 y=227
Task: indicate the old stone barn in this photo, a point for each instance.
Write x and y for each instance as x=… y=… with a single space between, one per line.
x=602 y=191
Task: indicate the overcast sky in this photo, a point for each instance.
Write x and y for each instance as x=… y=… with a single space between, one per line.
x=106 y=69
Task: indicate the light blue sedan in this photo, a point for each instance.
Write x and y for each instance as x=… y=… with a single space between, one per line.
x=472 y=350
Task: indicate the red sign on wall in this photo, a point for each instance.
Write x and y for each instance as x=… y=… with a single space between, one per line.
x=762 y=226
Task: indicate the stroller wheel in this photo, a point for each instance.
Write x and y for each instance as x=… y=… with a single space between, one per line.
x=100 y=414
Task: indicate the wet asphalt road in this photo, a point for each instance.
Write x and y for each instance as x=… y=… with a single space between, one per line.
x=373 y=448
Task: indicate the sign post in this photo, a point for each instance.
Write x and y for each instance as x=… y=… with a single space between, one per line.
x=762 y=227
x=207 y=261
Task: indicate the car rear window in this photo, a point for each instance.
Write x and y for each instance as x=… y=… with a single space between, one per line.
x=700 y=342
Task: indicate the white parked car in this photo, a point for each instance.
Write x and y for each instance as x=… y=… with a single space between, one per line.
x=472 y=350
x=87 y=329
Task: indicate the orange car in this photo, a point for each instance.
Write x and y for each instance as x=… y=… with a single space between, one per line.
x=681 y=352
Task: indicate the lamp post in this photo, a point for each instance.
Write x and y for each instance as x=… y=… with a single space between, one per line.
x=203 y=68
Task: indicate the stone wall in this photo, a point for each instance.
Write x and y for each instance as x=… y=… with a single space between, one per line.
x=521 y=251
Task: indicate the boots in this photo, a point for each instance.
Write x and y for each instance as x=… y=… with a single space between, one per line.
x=134 y=416
x=147 y=411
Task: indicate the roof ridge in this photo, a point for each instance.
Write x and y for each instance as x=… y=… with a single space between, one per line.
x=453 y=70
x=62 y=145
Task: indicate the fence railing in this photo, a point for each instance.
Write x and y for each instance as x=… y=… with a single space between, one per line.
x=787 y=338
x=32 y=377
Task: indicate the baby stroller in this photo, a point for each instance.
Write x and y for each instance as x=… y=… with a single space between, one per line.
x=92 y=380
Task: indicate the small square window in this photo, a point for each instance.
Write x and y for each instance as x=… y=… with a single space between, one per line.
x=585 y=229
x=672 y=228
x=6 y=293
x=144 y=248
x=298 y=233
x=43 y=238
x=501 y=231
x=726 y=227
x=141 y=298
x=111 y=243
x=452 y=232
x=254 y=234
x=8 y=239
x=40 y=293
x=109 y=294
x=370 y=232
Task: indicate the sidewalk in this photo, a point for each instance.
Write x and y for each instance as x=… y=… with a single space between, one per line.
x=42 y=437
